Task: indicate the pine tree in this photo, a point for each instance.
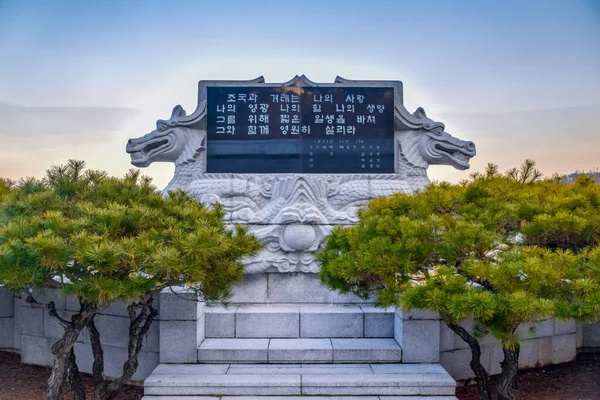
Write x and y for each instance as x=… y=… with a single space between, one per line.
x=104 y=239
x=501 y=249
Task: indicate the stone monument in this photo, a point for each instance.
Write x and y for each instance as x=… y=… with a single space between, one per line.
x=292 y=161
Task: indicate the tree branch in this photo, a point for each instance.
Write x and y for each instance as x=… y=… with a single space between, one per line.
x=98 y=366
x=51 y=307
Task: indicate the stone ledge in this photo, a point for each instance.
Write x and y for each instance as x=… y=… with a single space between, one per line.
x=227 y=350
x=294 y=321
x=366 y=350
x=300 y=398
x=299 y=350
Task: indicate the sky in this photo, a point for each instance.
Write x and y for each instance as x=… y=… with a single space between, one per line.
x=521 y=78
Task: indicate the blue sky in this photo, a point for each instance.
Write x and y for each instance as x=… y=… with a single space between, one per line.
x=519 y=78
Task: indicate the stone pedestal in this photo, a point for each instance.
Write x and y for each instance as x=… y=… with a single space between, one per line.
x=418 y=333
x=281 y=319
x=182 y=326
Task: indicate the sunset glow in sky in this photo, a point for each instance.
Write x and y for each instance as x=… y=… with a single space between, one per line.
x=519 y=78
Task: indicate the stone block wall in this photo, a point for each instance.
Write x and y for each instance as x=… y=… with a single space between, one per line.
x=7 y=320
x=176 y=334
x=288 y=288
x=29 y=330
x=547 y=342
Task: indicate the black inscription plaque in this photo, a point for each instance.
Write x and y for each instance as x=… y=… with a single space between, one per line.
x=265 y=130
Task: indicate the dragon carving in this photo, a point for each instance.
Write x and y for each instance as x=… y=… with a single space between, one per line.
x=293 y=214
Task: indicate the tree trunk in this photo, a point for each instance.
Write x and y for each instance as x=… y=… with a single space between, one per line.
x=508 y=385
x=74 y=378
x=481 y=375
x=62 y=352
x=62 y=348
x=138 y=327
x=98 y=367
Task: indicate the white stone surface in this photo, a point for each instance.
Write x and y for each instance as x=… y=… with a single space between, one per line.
x=277 y=379
x=447 y=338
x=52 y=329
x=387 y=384
x=179 y=306
x=419 y=339
x=32 y=320
x=544 y=346
x=564 y=348
x=151 y=341
x=590 y=335
x=300 y=398
x=7 y=329
x=535 y=330
x=378 y=322
x=6 y=303
x=533 y=353
x=114 y=357
x=220 y=321
x=179 y=341
x=267 y=322
x=416 y=314
x=563 y=327
x=418 y=398
x=366 y=350
x=223 y=385
x=117 y=308
x=253 y=289
x=36 y=350
x=264 y=369
x=238 y=350
x=186 y=397
x=114 y=330
x=331 y=322
x=46 y=295
x=456 y=362
x=300 y=350
x=17 y=319
x=191 y=369
x=299 y=369
x=408 y=369
x=304 y=288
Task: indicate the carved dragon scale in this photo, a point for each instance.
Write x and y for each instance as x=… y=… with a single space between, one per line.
x=293 y=214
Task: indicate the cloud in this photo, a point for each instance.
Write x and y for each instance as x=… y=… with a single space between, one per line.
x=22 y=121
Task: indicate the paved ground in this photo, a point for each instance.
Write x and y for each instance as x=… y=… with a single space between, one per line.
x=579 y=380
x=28 y=382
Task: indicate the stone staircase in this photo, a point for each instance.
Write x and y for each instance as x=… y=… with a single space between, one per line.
x=258 y=380
x=299 y=334
x=258 y=351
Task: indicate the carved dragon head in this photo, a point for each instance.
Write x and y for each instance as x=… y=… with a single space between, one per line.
x=173 y=140
x=432 y=145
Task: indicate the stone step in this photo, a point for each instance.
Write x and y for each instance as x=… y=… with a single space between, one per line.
x=299 y=351
x=299 y=321
x=305 y=381
x=298 y=398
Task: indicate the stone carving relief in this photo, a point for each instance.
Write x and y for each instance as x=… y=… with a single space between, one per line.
x=293 y=214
